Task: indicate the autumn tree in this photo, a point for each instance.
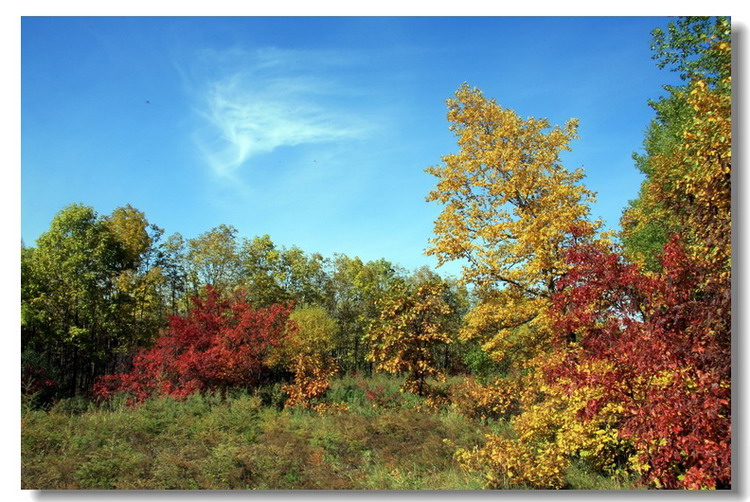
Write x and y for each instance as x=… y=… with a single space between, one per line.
x=510 y=211
x=449 y=357
x=688 y=191
x=508 y=204
x=356 y=287
x=637 y=383
x=661 y=346
x=306 y=352
x=223 y=342
x=638 y=375
x=687 y=157
x=410 y=325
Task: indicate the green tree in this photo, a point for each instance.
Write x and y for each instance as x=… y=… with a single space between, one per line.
x=131 y=228
x=272 y=275
x=214 y=260
x=694 y=118
x=173 y=261
x=692 y=46
x=356 y=287
x=304 y=277
x=83 y=295
x=141 y=306
x=260 y=261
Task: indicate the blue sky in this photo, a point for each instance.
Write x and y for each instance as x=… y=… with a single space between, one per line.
x=315 y=131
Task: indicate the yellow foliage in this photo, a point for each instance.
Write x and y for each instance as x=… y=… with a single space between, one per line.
x=310 y=332
x=499 y=216
x=508 y=210
x=484 y=401
x=311 y=380
x=550 y=431
x=689 y=189
x=408 y=327
x=512 y=462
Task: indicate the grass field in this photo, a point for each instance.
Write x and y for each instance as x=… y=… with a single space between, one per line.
x=384 y=440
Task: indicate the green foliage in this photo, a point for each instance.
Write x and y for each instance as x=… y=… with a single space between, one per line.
x=580 y=476
x=260 y=260
x=173 y=262
x=357 y=287
x=130 y=228
x=214 y=260
x=107 y=465
x=207 y=442
x=272 y=395
x=89 y=294
x=272 y=275
x=690 y=46
x=479 y=363
x=675 y=161
x=368 y=396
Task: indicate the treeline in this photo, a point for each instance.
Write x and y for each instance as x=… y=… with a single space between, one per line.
x=97 y=288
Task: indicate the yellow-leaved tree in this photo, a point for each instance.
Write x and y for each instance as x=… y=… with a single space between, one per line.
x=410 y=325
x=305 y=352
x=688 y=156
x=689 y=185
x=509 y=207
x=510 y=211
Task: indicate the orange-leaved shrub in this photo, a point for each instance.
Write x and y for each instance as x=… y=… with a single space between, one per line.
x=492 y=400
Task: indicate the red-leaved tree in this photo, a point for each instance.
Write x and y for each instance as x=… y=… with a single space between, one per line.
x=665 y=340
x=220 y=343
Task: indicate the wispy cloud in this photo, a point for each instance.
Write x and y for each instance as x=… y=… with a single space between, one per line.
x=256 y=102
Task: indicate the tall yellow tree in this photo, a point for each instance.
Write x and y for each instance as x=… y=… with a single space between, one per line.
x=509 y=207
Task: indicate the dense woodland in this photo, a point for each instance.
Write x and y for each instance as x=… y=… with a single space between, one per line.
x=561 y=349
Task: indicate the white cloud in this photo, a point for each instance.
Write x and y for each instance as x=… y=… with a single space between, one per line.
x=254 y=103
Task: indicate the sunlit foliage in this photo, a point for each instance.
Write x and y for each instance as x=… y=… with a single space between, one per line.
x=408 y=329
x=507 y=206
x=221 y=343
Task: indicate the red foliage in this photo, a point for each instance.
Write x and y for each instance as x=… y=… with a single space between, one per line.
x=221 y=343
x=666 y=342
x=35 y=379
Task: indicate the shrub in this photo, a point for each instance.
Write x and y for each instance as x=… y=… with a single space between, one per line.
x=220 y=344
